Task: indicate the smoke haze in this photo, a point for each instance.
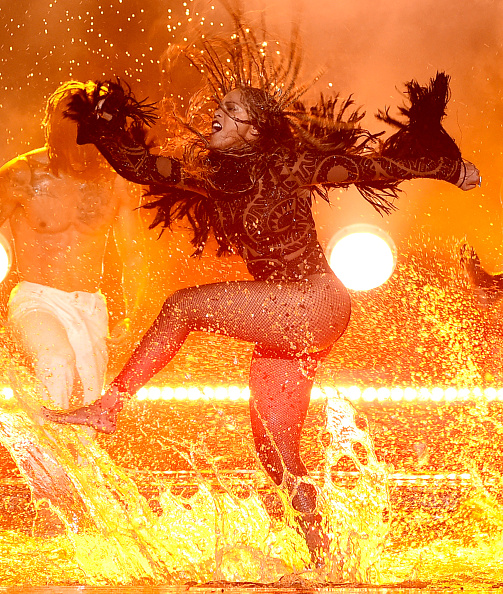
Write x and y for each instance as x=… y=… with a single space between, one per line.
x=368 y=49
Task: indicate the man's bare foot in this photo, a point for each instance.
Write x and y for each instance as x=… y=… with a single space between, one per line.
x=94 y=415
x=47 y=524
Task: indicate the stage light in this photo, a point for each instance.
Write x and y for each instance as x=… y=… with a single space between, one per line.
x=5 y=257
x=362 y=256
x=7 y=393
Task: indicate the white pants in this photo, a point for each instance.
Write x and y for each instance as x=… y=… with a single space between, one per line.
x=84 y=318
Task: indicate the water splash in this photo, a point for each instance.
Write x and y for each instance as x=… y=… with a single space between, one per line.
x=360 y=514
x=221 y=532
x=446 y=532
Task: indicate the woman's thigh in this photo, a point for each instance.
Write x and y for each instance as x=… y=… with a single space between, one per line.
x=286 y=316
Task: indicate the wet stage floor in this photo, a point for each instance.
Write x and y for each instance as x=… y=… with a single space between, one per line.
x=234 y=589
x=433 y=500
x=444 y=462
x=242 y=589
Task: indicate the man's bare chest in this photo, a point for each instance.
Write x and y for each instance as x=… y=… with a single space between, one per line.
x=52 y=204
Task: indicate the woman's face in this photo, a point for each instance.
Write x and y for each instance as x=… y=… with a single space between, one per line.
x=231 y=127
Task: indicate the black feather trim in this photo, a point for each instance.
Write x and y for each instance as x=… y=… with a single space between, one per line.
x=173 y=204
x=337 y=130
x=109 y=108
x=422 y=134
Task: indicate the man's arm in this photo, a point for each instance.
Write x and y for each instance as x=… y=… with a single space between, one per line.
x=488 y=287
x=15 y=181
x=130 y=241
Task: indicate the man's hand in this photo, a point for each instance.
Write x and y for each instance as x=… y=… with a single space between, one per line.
x=470 y=262
x=120 y=333
x=120 y=342
x=486 y=285
x=469 y=176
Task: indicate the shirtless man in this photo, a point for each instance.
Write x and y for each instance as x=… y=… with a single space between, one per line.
x=488 y=288
x=63 y=202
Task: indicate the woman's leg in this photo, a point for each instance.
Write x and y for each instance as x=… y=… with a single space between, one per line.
x=280 y=389
x=285 y=317
x=287 y=321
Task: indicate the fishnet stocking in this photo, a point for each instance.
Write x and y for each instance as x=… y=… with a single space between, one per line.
x=280 y=392
x=290 y=322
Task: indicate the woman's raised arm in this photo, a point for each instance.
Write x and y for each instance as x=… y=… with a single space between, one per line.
x=340 y=170
x=115 y=122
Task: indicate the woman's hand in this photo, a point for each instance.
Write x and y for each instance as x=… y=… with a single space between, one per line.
x=100 y=111
x=469 y=176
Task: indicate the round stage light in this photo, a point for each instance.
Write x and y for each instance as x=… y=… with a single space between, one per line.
x=362 y=256
x=5 y=257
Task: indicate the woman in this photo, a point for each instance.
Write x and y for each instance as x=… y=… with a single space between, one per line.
x=251 y=183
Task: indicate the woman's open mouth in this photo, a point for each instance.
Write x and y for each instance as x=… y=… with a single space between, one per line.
x=216 y=126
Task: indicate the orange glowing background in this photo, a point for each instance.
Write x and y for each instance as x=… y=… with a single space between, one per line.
x=367 y=49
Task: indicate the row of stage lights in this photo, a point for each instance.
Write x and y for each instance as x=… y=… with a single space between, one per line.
x=352 y=393
x=241 y=476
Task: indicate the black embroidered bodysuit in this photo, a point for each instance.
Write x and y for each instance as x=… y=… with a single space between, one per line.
x=258 y=206
x=272 y=226
x=268 y=222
